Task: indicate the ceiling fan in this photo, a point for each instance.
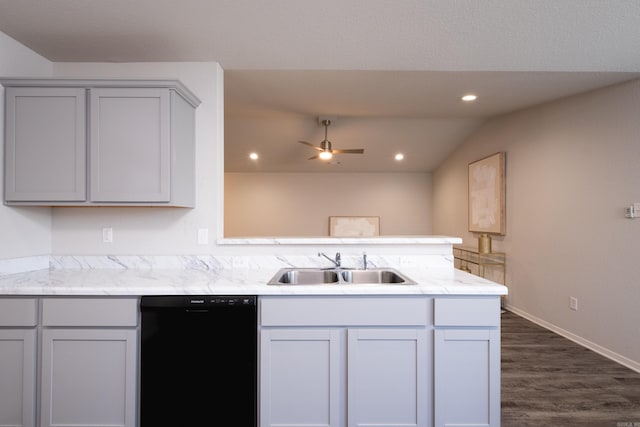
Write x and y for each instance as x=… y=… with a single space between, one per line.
x=325 y=150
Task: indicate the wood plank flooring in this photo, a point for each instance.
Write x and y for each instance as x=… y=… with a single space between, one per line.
x=548 y=380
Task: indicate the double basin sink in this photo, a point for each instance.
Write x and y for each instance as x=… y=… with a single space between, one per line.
x=339 y=276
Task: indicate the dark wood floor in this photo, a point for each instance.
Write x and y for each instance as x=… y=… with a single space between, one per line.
x=548 y=380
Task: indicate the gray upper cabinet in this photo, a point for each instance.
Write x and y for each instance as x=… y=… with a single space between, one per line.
x=130 y=145
x=45 y=144
x=99 y=142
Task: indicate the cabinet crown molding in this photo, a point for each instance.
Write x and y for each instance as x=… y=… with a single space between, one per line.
x=172 y=84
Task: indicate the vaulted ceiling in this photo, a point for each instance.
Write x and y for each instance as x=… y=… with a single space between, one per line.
x=390 y=72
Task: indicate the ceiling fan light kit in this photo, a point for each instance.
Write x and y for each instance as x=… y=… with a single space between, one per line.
x=326 y=151
x=325 y=155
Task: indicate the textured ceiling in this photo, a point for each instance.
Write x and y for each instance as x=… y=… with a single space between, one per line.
x=375 y=64
x=450 y=35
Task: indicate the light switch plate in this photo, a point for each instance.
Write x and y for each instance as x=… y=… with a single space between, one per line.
x=107 y=235
x=203 y=236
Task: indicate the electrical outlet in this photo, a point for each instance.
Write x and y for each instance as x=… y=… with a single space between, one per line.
x=573 y=303
x=632 y=211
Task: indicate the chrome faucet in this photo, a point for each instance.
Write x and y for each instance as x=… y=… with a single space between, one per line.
x=364 y=260
x=336 y=261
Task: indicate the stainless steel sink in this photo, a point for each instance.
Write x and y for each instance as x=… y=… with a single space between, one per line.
x=304 y=277
x=373 y=276
x=316 y=276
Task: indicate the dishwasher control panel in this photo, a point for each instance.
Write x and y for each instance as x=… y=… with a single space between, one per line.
x=222 y=300
x=192 y=301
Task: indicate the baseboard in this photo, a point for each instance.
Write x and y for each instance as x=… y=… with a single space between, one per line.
x=625 y=361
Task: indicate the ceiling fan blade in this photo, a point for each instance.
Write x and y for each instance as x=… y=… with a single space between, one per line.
x=349 y=151
x=312 y=158
x=310 y=145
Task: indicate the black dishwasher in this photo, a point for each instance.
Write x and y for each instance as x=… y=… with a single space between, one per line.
x=198 y=361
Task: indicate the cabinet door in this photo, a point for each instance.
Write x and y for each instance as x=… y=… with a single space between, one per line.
x=388 y=377
x=467 y=377
x=299 y=378
x=88 y=377
x=17 y=377
x=45 y=144
x=130 y=145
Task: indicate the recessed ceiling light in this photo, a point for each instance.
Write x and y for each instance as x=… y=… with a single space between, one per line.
x=468 y=98
x=399 y=156
x=253 y=156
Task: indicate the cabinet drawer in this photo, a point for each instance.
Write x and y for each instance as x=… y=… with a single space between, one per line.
x=467 y=312
x=90 y=312
x=344 y=311
x=18 y=312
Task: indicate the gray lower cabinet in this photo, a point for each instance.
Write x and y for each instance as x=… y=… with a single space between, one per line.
x=89 y=362
x=300 y=377
x=467 y=362
x=99 y=142
x=387 y=377
x=18 y=321
x=344 y=361
x=85 y=372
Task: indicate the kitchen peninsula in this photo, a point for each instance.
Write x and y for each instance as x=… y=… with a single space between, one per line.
x=424 y=355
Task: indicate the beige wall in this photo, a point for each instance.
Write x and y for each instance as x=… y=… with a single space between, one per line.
x=24 y=231
x=299 y=204
x=572 y=167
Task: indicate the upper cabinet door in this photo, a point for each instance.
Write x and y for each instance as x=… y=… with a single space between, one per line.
x=130 y=145
x=45 y=144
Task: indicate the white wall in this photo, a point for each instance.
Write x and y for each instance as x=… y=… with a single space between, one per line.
x=299 y=204
x=24 y=231
x=154 y=231
x=572 y=167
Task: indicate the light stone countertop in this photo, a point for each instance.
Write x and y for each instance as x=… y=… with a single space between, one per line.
x=228 y=281
x=319 y=241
